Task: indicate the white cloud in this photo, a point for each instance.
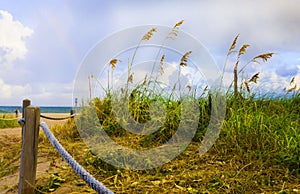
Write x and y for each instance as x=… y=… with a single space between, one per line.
x=52 y=94
x=296 y=80
x=267 y=27
x=12 y=34
x=67 y=33
x=12 y=47
x=11 y=93
x=40 y=94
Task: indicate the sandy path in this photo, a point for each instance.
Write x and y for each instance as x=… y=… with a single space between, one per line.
x=17 y=131
x=11 y=136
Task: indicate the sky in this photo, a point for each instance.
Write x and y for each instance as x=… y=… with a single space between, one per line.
x=43 y=43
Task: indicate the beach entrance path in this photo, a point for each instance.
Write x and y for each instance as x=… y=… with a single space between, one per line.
x=16 y=132
x=10 y=138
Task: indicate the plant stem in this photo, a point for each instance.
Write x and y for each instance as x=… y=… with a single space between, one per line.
x=235 y=79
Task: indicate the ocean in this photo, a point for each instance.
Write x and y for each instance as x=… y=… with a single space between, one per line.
x=44 y=109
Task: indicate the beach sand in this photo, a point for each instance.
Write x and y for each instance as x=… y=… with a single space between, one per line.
x=55 y=115
x=9 y=136
x=16 y=131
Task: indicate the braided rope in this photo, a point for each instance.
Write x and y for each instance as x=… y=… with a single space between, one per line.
x=21 y=121
x=87 y=177
x=58 y=118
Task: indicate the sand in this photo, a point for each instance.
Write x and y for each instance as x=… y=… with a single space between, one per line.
x=10 y=136
x=56 y=115
x=17 y=131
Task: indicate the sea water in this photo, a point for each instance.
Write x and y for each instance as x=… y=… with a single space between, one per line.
x=44 y=109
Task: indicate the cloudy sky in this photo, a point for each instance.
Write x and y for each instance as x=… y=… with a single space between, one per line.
x=43 y=43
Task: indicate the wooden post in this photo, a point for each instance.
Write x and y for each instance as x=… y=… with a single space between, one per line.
x=30 y=135
x=26 y=103
x=72 y=112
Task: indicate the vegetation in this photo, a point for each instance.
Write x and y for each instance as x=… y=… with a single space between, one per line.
x=258 y=150
x=8 y=121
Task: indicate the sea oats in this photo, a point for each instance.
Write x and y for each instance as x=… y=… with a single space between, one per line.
x=243 y=49
x=130 y=79
x=254 y=78
x=205 y=89
x=161 y=65
x=114 y=62
x=231 y=50
x=189 y=87
x=233 y=45
x=174 y=31
x=235 y=78
x=292 y=89
x=145 y=80
x=178 y=24
x=149 y=34
x=264 y=57
x=247 y=87
x=292 y=80
x=184 y=58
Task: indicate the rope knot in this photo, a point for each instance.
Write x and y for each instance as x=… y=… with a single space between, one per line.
x=21 y=122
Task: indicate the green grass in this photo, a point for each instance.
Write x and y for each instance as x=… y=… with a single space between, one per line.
x=4 y=123
x=266 y=130
x=257 y=151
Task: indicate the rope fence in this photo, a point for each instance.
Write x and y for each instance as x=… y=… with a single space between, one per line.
x=30 y=129
x=58 y=118
x=42 y=116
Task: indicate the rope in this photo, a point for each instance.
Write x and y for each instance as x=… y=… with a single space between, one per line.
x=57 y=118
x=21 y=121
x=89 y=179
x=11 y=119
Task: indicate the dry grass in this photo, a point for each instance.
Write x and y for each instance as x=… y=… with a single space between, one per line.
x=257 y=152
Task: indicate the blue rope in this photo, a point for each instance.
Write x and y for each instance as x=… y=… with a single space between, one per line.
x=87 y=177
x=21 y=121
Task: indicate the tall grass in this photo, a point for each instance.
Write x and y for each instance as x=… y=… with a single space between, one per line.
x=258 y=149
x=265 y=129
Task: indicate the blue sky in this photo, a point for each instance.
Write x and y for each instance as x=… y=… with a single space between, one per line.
x=43 y=43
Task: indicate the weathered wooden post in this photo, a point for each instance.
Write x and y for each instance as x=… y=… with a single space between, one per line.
x=26 y=103
x=72 y=112
x=30 y=135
